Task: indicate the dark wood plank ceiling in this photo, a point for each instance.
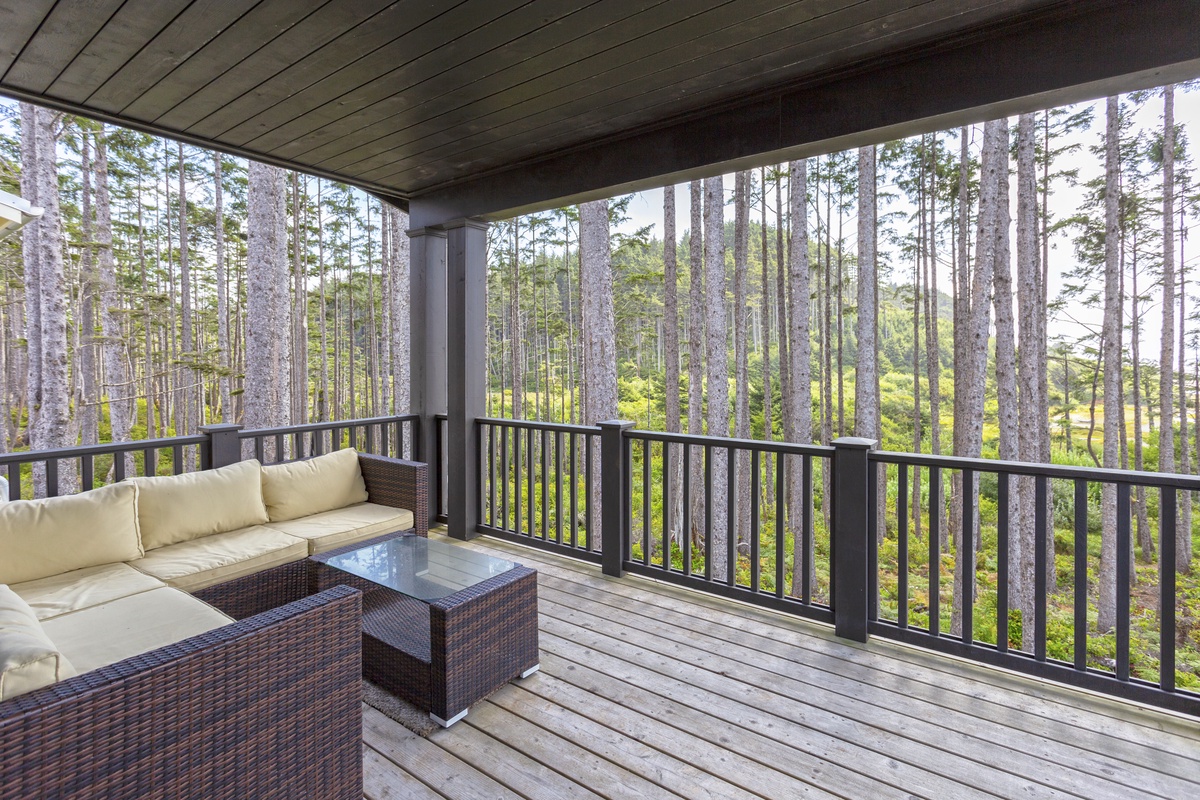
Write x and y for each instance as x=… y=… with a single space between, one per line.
x=411 y=96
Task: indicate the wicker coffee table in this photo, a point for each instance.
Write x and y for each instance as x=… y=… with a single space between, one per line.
x=443 y=625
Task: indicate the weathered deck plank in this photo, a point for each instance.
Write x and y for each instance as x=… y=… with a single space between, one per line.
x=648 y=690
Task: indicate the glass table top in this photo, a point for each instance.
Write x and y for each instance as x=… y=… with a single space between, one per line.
x=423 y=569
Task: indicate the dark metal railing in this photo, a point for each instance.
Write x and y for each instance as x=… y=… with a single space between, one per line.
x=989 y=626
x=441 y=472
x=817 y=531
x=734 y=517
x=537 y=483
x=49 y=473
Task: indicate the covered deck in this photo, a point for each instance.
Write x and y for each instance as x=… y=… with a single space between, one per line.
x=649 y=690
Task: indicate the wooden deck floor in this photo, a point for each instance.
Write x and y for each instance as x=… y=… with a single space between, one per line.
x=648 y=691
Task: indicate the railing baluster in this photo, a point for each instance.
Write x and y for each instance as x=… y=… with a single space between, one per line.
x=646 y=502
x=902 y=565
x=545 y=504
x=518 y=476
x=685 y=527
x=14 y=481
x=966 y=558
x=530 y=500
x=52 y=477
x=87 y=467
x=1081 y=573
x=258 y=451
x=872 y=546
x=1123 y=569
x=807 y=537
x=1040 y=589
x=558 y=487
x=587 y=492
x=177 y=458
x=1166 y=589
x=149 y=461
x=731 y=514
x=491 y=487
x=1002 y=570
x=781 y=511
x=504 y=455
x=902 y=536
x=668 y=498
x=352 y=430
x=755 y=487
x=574 y=437
x=935 y=532
x=280 y=448
x=119 y=466
x=708 y=512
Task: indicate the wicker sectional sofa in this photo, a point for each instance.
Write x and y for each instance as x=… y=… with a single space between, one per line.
x=162 y=637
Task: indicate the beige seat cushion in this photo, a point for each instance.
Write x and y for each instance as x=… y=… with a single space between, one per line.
x=28 y=658
x=301 y=488
x=111 y=632
x=46 y=537
x=348 y=525
x=221 y=557
x=83 y=588
x=179 y=508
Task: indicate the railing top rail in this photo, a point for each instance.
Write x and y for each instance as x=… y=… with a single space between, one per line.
x=324 y=426
x=787 y=448
x=540 y=426
x=1095 y=474
x=107 y=448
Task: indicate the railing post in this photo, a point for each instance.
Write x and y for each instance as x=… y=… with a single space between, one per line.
x=224 y=447
x=614 y=509
x=851 y=537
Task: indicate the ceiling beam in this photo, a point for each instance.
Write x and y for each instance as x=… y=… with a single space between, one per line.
x=1080 y=51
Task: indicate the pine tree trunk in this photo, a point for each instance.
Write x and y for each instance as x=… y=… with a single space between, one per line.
x=87 y=401
x=400 y=305
x=600 y=356
x=223 y=363
x=1111 y=343
x=765 y=307
x=716 y=362
x=933 y=361
x=962 y=321
x=674 y=490
x=741 y=429
x=798 y=400
x=866 y=417
x=118 y=387
x=696 y=356
x=268 y=362
x=1030 y=403
x=189 y=414
x=515 y=334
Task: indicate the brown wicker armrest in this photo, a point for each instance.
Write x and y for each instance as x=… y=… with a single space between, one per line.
x=269 y=707
x=399 y=484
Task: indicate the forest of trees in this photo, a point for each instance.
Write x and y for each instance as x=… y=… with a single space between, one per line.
x=877 y=293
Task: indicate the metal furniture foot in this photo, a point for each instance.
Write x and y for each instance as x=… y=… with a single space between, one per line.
x=530 y=671
x=446 y=723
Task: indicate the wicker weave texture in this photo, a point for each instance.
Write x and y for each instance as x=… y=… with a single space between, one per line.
x=266 y=708
x=400 y=484
x=253 y=594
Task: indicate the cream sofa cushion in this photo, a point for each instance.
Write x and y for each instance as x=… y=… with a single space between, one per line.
x=300 y=488
x=129 y=626
x=83 y=588
x=179 y=508
x=343 y=526
x=46 y=537
x=28 y=658
x=221 y=557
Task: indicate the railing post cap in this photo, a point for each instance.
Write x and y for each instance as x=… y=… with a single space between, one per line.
x=855 y=442
x=623 y=424
x=220 y=427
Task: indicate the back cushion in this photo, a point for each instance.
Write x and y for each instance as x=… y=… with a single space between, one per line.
x=28 y=659
x=300 y=488
x=39 y=538
x=179 y=508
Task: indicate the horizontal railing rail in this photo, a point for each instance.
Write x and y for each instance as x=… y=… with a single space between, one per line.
x=49 y=473
x=537 y=483
x=1051 y=508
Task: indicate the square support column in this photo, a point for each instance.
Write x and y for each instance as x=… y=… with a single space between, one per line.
x=466 y=323
x=427 y=345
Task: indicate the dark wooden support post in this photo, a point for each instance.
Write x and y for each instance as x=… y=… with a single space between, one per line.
x=466 y=325
x=851 y=536
x=223 y=448
x=614 y=494
x=427 y=346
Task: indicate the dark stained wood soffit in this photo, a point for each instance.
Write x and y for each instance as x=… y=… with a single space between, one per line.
x=411 y=97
